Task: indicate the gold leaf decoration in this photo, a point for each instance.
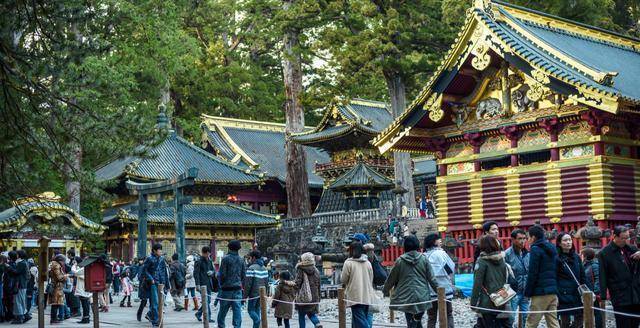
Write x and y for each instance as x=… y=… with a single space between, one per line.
x=482 y=58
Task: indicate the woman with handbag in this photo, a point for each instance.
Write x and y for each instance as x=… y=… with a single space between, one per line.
x=571 y=277
x=491 y=293
x=307 y=290
x=357 y=279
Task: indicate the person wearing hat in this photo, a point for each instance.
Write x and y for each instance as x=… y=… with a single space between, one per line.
x=307 y=268
x=232 y=274
x=190 y=285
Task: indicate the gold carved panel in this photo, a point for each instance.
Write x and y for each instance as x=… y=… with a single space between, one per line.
x=460 y=149
x=458 y=168
x=580 y=130
x=576 y=151
x=534 y=138
x=495 y=143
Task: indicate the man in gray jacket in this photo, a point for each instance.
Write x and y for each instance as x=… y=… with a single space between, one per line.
x=517 y=257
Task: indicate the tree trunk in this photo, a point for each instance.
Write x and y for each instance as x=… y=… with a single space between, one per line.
x=72 y=169
x=297 y=182
x=402 y=161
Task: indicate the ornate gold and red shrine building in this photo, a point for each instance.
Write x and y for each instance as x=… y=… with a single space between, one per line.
x=531 y=117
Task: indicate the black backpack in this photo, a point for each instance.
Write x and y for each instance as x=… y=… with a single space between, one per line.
x=379 y=272
x=178 y=273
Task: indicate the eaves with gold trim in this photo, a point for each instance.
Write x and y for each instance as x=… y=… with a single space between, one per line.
x=585 y=64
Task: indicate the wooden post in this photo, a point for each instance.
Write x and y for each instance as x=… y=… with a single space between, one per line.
x=160 y=304
x=263 y=307
x=43 y=262
x=519 y=318
x=587 y=301
x=342 y=311
x=205 y=306
x=442 y=308
x=392 y=314
x=94 y=309
x=603 y=305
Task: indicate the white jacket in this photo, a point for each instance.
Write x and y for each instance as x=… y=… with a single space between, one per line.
x=80 y=292
x=438 y=258
x=191 y=281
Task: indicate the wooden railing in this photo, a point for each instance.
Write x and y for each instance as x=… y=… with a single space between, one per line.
x=339 y=218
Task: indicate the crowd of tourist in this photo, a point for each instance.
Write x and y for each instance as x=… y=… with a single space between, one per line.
x=532 y=277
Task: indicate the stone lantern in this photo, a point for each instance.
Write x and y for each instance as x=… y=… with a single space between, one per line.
x=281 y=254
x=320 y=238
x=592 y=235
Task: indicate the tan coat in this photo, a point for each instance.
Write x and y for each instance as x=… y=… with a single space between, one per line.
x=56 y=274
x=357 y=278
x=284 y=292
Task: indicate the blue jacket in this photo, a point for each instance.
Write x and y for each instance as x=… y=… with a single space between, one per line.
x=542 y=278
x=232 y=271
x=155 y=268
x=568 y=295
x=592 y=275
x=520 y=266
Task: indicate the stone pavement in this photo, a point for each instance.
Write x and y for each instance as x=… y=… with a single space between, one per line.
x=126 y=317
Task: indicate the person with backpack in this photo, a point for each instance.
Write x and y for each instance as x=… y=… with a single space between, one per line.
x=32 y=288
x=307 y=290
x=443 y=269
x=177 y=279
x=155 y=271
x=256 y=277
x=285 y=292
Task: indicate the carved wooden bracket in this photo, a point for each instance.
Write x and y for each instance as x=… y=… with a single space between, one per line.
x=475 y=139
x=596 y=119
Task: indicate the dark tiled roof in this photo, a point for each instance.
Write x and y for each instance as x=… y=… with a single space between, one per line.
x=201 y=214
x=424 y=169
x=264 y=147
x=365 y=116
x=333 y=201
x=362 y=177
x=173 y=157
x=14 y=217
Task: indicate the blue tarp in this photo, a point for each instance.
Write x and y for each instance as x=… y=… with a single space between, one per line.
x=465 y=283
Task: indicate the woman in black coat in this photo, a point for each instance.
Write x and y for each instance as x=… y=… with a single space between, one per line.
x=570 y=276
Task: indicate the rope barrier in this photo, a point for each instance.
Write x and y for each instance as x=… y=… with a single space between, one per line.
x=630 y=315
x=516 y=312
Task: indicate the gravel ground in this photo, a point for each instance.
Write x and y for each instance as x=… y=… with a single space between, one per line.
x=462 y=315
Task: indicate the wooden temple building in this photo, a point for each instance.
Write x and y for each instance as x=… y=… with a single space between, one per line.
x=356 y=176
x=531 y=118
x=31 y=218
x=260 y=148
x=210 y=218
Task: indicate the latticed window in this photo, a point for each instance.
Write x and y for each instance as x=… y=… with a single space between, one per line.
x=542 y=156
x=489 y=164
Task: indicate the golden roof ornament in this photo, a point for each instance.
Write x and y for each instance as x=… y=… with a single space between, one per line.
x=47 y=196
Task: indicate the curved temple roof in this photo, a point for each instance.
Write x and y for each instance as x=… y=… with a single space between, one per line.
x=362 y=176
x=15 y=217
x=365 y=116
x=173 y=157
x=259 y=146
x=589 y=65
x=200 y=214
